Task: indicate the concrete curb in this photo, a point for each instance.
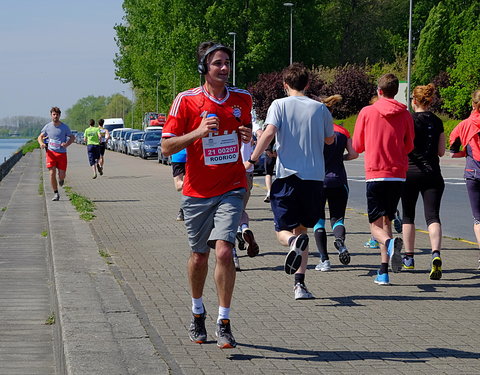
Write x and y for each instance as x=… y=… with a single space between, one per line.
x=100 y=330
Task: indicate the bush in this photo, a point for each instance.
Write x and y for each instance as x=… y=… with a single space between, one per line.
x=270 y=87
x=356 y=88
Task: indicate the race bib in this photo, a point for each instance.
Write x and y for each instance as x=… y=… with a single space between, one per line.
x=220 y=149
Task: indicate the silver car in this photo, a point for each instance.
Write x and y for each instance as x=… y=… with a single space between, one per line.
x=133 y=144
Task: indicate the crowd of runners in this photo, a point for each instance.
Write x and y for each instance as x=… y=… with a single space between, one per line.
x=209 y=132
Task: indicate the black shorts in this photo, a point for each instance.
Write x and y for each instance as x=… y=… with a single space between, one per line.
x=178 y=169
x=103 y=146
x=270 y=165
x=382 y=198
x=296 y=202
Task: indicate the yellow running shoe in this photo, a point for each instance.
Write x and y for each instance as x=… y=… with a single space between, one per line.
x=436 y=272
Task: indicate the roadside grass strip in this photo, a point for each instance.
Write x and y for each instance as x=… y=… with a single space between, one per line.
x=83 y=205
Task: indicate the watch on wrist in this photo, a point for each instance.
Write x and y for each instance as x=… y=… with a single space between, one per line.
x=252 y=161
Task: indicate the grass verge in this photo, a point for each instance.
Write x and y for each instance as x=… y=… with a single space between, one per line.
x=44 y=233
x=83 y=205
x=50 y=320
x=30 y=146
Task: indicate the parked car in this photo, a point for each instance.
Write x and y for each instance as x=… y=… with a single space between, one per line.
x=149 y=144
x=119 y=139
x=79 y=138
x=124 y=136
x=132 y=143
x=114 y=134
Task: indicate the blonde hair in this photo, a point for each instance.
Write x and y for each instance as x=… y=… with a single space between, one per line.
x=424 y=94
x=476 y=100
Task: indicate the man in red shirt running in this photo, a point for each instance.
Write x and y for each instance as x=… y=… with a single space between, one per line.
x=211 y=121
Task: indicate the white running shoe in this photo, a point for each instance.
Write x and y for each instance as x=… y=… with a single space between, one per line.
x=323 y=266
x=301 y=292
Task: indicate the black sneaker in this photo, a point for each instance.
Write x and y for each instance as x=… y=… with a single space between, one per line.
x=225 y=339
x=294 y=256
x=100 y=169
x=61 y=182
x=197 y=331
x=241 y=242
x=397 y=222
x=252 y=246
x=343 y=254
x=180 y=216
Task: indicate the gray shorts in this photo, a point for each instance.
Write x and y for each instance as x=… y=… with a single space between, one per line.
x=210 y=219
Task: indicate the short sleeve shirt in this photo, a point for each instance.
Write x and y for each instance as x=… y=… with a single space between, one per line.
x=92 y=135
x=56 y=136
x=302 y=126
x=201 y=179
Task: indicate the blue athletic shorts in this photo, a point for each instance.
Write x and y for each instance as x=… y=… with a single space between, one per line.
x=93 y=154
x=383 y=198
x=210 y=219
x=296 y=202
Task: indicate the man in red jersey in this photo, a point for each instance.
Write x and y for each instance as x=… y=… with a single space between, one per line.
x=211 y=121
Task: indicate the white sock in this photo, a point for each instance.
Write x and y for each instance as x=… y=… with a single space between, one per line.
x=197 y=305
x=223 y=313
x=244 y=226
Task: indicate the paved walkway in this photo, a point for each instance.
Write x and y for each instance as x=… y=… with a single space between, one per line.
x=26 y=342
x=414 y=326
x=140 y=306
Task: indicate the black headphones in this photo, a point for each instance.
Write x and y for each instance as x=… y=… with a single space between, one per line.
x=202 y=66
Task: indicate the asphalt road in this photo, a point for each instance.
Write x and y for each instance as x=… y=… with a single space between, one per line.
x=455 y=211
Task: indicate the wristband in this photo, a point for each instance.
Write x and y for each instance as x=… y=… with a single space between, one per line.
x=251 y=161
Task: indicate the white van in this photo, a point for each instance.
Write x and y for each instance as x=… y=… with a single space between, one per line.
x=113 y=123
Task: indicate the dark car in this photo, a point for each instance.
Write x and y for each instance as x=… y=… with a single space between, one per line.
x=124 y=136
x=162 y=158
x=148 y=144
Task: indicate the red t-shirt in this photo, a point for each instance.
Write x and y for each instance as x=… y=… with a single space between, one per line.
x=234 y=110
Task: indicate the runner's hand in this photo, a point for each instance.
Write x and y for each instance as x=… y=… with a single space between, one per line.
x=245 y=134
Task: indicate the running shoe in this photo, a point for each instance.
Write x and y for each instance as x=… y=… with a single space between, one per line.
x=371 y=244
x=436 y=272
x=397 y=222
x=100 y=169
x=241 y=242
x=94 y=176
x=343 y=254
x=197 y=331
x=382 y=279
x=225 y=339
x=236 y=261
x=56 y=197
x=395 y=253
x=61 y=182
x=180 y=216
x=252 y=246
x=267 y=198
x=408 y=263
x=301 y=292
x=294 y=256
x=323 y=266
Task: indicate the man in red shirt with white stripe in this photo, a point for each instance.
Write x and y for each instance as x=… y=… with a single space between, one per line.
x=211 y=121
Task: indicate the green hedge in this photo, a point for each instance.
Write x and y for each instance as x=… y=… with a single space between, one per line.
x=448 y=124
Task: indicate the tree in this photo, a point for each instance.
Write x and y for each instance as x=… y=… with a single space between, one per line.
x=464 y=76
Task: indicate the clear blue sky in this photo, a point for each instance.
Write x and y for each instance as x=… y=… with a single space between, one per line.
x=54 y=52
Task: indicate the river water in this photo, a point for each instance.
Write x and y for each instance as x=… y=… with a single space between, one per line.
x=8 y=146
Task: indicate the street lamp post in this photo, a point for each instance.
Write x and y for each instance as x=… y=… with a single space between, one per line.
x=234 y=51
x=156 y=108
x=290 y=5
x=123 y=104
x=409 y=54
